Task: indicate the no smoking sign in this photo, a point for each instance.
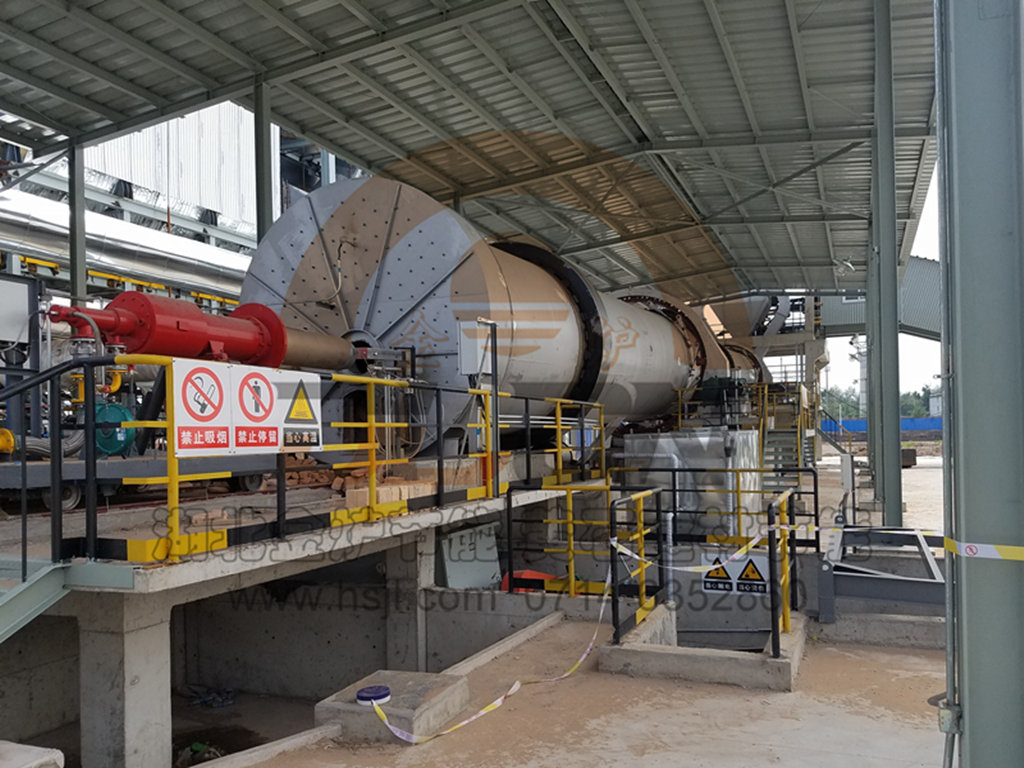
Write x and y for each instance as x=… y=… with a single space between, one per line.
x=202 y=425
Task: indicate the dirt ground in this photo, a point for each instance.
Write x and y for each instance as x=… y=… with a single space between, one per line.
x=855 y=706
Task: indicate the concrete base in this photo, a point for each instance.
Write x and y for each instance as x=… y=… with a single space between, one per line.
x=704 y=665
x=23 y=756
x=421 y=703
x=893 y=630
x=493 y=651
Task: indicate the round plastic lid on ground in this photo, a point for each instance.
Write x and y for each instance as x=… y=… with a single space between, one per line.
x=371 y=694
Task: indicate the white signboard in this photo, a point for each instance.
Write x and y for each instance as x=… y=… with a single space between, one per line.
x=744 y=576
x=202 y=420
x=222 y=409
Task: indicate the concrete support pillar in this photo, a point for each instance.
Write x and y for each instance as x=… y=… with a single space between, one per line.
x=885 y=345
x=125 y=682
x=264 y=159
x=410 y=570
x=76 y=224
x=981 y=160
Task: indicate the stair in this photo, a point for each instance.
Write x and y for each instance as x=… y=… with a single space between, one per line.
x=22 y=601
x=781 y=449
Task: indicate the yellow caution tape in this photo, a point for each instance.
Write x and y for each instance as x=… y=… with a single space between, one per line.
x=692 y=568
x=516 y=686
x=983 y=551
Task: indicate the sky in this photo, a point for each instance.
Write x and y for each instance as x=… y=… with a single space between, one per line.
x=919 y=358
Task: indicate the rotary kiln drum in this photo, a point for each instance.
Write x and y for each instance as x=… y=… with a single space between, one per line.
x=384 y=265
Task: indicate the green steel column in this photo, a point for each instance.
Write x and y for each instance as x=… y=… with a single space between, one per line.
x=888 y=480
x=870 y=367
x=981 y=157
x=76 y=224
x=264 y=169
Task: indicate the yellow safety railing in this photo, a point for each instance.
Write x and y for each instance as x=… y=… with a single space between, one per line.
x=638 y=537
x=565 y=426
x=172 y=546
x=746 y=502
x=781 y=503
x=570 y=584
x=32 y=264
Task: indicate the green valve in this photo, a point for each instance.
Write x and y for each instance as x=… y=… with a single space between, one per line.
x=114 y=441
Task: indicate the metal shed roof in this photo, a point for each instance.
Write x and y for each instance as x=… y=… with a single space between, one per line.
x=704 y=146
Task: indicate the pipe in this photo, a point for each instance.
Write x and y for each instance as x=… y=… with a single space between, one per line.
x=101 y=348
x=40 y=446
x=35 y=227
x=147 y=324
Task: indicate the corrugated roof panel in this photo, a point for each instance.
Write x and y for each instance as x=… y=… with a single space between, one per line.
x=449 y=83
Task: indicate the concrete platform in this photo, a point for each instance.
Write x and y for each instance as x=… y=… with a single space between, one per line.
x=853 y=707
x=422 y=703
x=884 y=629
x=644 y=652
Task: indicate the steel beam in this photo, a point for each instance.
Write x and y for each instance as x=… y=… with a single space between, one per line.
x=76 y=225
x=128 y=40
x=888 y=487
x=78 y=64
x=52 y=89
x=139 y=208
x=981 y=144
x=240 y=87
x=264 y=172
x=285 y=24
x=200 y=33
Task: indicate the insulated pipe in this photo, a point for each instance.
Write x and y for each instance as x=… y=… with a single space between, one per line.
x=252 y=334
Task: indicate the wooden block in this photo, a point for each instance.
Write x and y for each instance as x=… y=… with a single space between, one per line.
x=356 y=498
x=337 y=483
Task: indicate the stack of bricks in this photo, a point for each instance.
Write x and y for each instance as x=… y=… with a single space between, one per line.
x=317 y=477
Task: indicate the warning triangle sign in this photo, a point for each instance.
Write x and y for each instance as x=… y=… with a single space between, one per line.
x=301 y=410
x=750 y=573
x=718 y=572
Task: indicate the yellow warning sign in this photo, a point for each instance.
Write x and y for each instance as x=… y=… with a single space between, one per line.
x=751 y=579
x=300 y=411
x=718 y=572
x=718 y=578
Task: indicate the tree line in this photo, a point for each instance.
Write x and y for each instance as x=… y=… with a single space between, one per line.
x=845 y=403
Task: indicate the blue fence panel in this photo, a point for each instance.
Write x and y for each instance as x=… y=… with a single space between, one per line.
x=857 y=426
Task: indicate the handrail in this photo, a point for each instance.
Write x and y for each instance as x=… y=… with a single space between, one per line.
x=842 y=431
x=737 y=471
x=645 y=604
x=781 y=577
x=41 y=378
x=175 y=543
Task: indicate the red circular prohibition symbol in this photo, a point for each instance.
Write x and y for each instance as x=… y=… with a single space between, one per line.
x=970 y=550
x=202 y=394
x=256 y=397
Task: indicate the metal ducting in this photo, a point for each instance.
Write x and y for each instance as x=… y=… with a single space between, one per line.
x=36 y=227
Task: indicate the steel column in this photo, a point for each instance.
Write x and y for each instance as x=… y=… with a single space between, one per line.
x=76 y=224
x=981 y=146
x=264 y=169
x=888 y=486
